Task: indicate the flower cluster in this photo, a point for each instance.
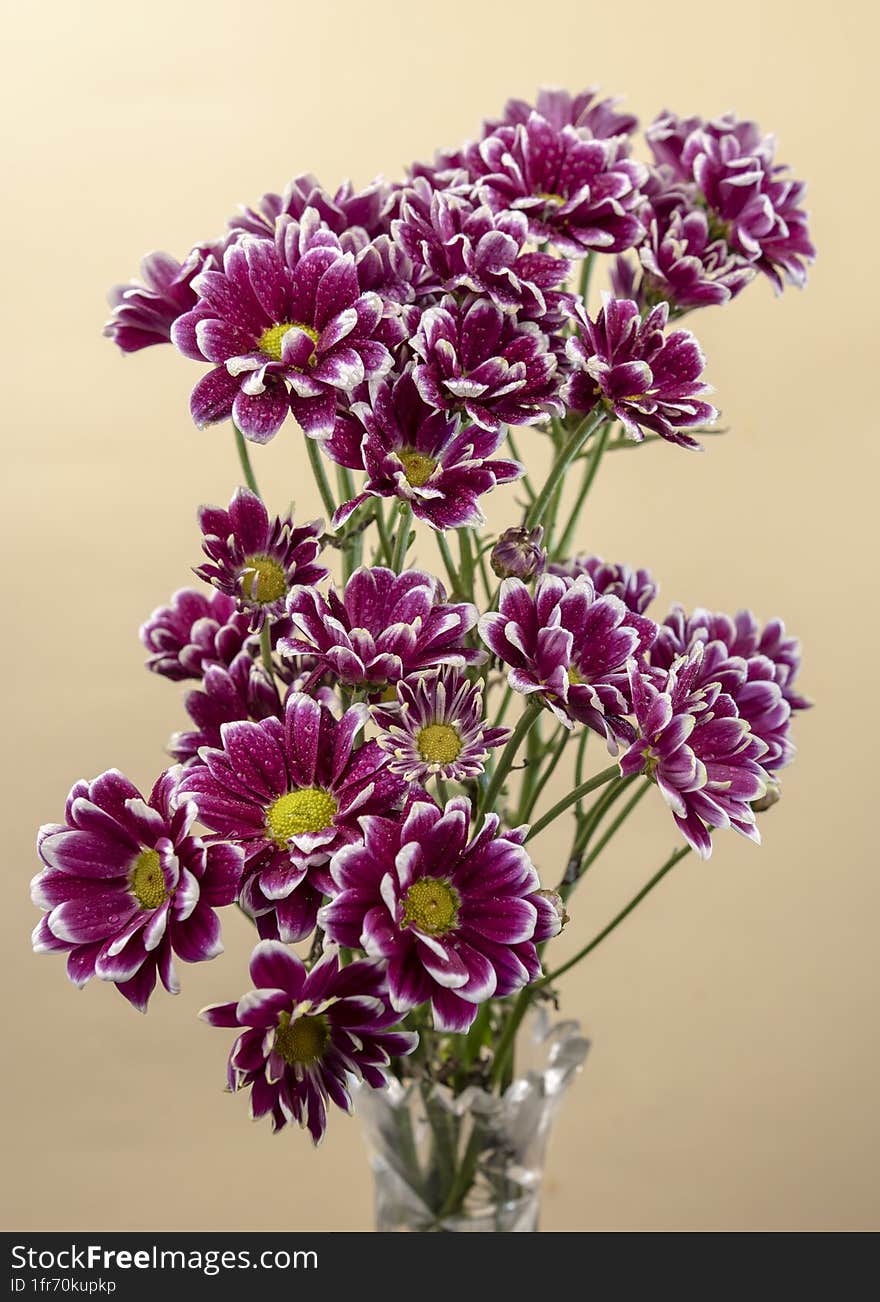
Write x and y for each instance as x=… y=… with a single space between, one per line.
x=355 y=744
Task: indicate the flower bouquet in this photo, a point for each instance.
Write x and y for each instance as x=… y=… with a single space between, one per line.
x=370 y=758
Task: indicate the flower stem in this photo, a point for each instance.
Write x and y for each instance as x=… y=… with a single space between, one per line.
x=614 y=825
x=321 y=478
x=351 y=557
x=525 y=481
x=572 y=798
x=529 y=716
x=401 y=542
x=569 y=451
x=616 y=921
x=562 y=739
x=384 y=551
x=447 y=561
x=467 y=562
x=244 y=457
x=266 y=649
x=592 y=467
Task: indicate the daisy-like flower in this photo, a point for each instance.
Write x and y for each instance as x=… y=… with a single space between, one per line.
x=382 y=628
x=306 y=1035
x=226 y=694
x=519 y=554
x=646 y=379
x=127 y=886
x=752 y=205
x=193 y=632
x=143 y=313
x=356 y=216
x=635 y=588
x=579 y=194
x=290 y=792
x=423 y=456
x=495 y=368
x=456 y=919
x=286 y=325
x=255 y=559
x=437 y=728
x=598 y=119
x=570 y=646
x=702 y=755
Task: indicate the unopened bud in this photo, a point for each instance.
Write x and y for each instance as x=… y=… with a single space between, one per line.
x=771 y=796
x=519 y=554
x=552 y=916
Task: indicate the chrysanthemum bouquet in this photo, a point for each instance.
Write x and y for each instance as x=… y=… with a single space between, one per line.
x=370 y=759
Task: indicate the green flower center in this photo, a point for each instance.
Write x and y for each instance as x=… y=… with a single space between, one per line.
x=271 y=339
x=550 y=197
x=310 y=809
x=147 y=881
x=574 y=675
x=262 y=580
x=303 y=1039
x=431 y=905
x=438 y=743
x=417 y=467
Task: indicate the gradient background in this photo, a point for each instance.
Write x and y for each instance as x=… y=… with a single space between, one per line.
x=735 y=1072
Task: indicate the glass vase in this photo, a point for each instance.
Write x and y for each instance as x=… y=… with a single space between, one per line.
x=471 y=1162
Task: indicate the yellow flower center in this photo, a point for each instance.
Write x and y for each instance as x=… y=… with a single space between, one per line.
x=417 y=467
x=307 y=810
x=303 y=1039
x=574 y=675
x=262 y=580
x=549 y=197
x=431 y=905
x=271 y=339
x=147 y=881
x=438 y=743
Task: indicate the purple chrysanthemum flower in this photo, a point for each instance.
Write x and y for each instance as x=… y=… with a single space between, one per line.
x=702 y=755
x=127 y=886
x=752 y=206
x=242 y=690
x=356 y=216
x=457 y=920
x=307 y=1034
x=283 y=314
x=570 y=646
x=143 y=314
x=193 y=632
x=461 y=246
x=290 y=792
x=436 y=728
x=519 y=554
x=635 y=588
x=255 y=559
x=473 y=357
x=578 y=194
x=592 y=118
x=646 y=379
x=384 y=627
x=413 y=451
x=755 y=668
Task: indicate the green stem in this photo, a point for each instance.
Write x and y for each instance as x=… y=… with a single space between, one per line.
x=385 y=548
x=525 y=812
x=589 y=475
x=614 y=825
x=245 y=459
x=442 y=793
x=529 y=716
x=467 y=563
x=266 y=649
x=569 y=451
x=585 y=277
x=321 y=479
x=525 y=481
x=401 y=542
x=572 y=798
x=616 y=921
x=351 y=556
x=588 y=824
x=447 y=561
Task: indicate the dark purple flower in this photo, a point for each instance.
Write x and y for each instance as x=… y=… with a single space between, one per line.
x=126 y=886
x=257 y=560
x=413 y=451
x=592 y=118
x=290 y=792
x=283 y=314
x=193 y=632
x=646 y=379
x=436 y=728
x=461 y=246
x=752 y=205
x=496 y=368
x=702 y=755
x=519 y=554
x=307 y=1034
x=570 y=646
x=356 y=216
x=457 y=919
x=635 y=588
x=579 y=194
x=143 y=314
x=384 y=627
x=225 y=695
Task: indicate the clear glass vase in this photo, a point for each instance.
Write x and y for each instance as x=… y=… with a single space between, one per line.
x=472 y=1162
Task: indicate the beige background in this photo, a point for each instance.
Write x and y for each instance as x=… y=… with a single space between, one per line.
x=734 y=1078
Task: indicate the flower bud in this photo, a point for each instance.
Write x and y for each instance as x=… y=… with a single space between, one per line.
x=771 y=796
x=519 y=554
